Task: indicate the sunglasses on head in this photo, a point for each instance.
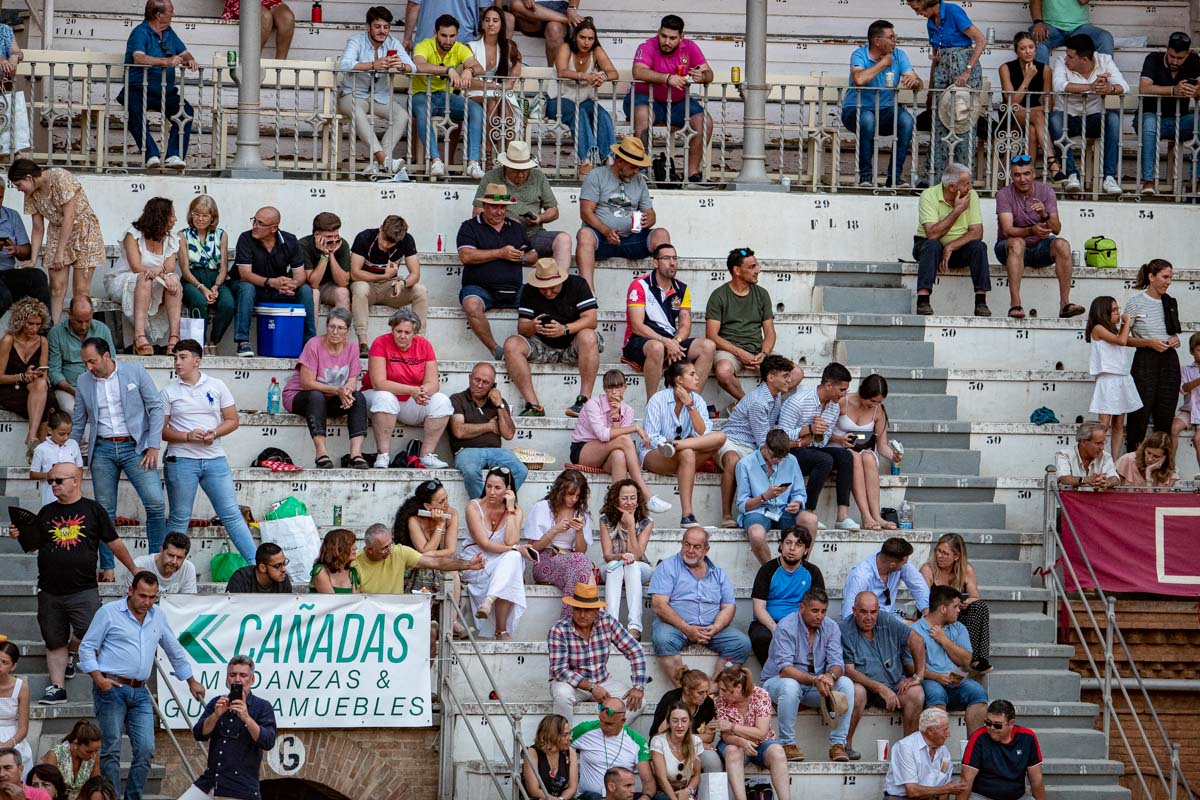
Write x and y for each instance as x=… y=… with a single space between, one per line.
x=743 y=252
x=431 y=485
x=497 y=198
x=1022 y=159
x=1179 y=41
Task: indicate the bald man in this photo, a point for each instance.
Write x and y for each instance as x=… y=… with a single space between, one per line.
x=270 y=269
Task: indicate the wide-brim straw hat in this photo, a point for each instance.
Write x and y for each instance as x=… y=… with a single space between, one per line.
x=586 y=595
x=631 y=149
x=517 y=156
x=547 y=273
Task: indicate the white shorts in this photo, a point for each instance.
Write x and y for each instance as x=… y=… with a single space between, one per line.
x=730 y=446
x=409 y=412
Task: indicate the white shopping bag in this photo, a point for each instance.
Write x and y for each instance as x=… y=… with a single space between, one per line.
x=191 y=326
x=713 y=786
x=14 y=123
x=299 y=540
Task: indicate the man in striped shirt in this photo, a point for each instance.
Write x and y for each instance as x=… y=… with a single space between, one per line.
x=753 y=416
x=809 y=418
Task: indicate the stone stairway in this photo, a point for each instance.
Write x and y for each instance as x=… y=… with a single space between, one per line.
x=1030 y=668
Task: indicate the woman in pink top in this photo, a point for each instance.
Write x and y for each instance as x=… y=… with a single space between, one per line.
x=744 y=725
x=1152 y=464
x=603 y=438
x=402 y=384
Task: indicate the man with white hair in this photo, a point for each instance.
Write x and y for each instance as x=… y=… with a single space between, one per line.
x=920 y=764
x=381 y=564
x=950 y=234
x=1088 y=463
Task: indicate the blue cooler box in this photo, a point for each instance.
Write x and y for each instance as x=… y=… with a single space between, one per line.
x=280 y=329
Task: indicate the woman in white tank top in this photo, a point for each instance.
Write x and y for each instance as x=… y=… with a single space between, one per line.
x=500 y=59
x=863 y=415
x=583 y=67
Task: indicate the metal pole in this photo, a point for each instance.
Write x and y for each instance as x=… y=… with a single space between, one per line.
x=1049 y=514
x=1110 y=623
x=518 y=754
x=1174 y=770
x=47 y=24
x=754 y=109
x=247 y=162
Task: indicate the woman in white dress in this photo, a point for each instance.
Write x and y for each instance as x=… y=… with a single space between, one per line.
x=150 y=293
x=863 y=414
x=14 y=706
x=1116 y=393
x=494 y=528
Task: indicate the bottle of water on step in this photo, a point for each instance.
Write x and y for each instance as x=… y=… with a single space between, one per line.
x=275 y=399
x=906 y=518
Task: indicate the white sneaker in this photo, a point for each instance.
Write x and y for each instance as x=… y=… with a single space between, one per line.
x=474 y=171
x=175 y=162
x=153 y=161
x=383 y=460
x=373 y=168
x=431 y=461
x=667 y=449
x=821 y=526
x=847 y=524
x=1111 y=186
x=657 y=505
x=1072 y=184
x=437 y=169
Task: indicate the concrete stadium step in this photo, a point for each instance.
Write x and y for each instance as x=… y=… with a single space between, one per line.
x=887 y=327
x=862 y=352
x=1033 y=684
x=924 y=461
x=1032 y=628
x=951 y=515
x=851 y=274
x=838 y=299
x=993 y=572
x=921 y=406
x=1015 y=657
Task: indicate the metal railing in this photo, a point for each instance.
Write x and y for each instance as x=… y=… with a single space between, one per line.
x=813 y=135
x=165 y=680
x=1059 y=571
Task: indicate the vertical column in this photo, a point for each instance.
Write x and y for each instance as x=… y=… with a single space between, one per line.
x=47 y=24
x=754 y=109
x=249 y=150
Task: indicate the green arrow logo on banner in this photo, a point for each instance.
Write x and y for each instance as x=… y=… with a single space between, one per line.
x=195 y=639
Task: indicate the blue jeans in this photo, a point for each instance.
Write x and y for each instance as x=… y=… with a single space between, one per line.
x=185 y=475
x=434 y=103
x=168 y=106
x=866 y=122
x=1057 y=36
x=1153 y=129
x=472 y=461
x=788 y=695
x=730 y=643
x=954 y=698
x=1090 y=126
x=594 y=136
x=247 y=294
x=752 y=518
x=108 y=461
x=123 y=709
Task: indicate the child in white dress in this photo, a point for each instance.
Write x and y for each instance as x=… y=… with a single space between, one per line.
x=1115 y=394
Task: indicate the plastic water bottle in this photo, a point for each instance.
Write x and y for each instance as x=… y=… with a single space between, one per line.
x=899 y=450
x=275 y=399
x=906 y=520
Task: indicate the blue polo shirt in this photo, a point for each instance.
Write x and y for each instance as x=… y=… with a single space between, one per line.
x=145 y=39
x=882 y=657
x=11 y=227
x=937 y=659
x=695 y=601
x=877 y=86
x=951 y=32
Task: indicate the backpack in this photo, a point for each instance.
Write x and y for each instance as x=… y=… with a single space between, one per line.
x=1100 y=252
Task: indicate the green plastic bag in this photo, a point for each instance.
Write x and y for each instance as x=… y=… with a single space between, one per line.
x=288 y=508
x=224 y=564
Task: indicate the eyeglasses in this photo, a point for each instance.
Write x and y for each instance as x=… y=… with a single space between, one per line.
x=996 y=726
x=57 y=481
x=285 y=562
x=1024 y=158
x=257 y=223
x=1179 y=41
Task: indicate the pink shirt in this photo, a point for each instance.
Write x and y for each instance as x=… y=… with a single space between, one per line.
x=407 y=367
x=36 y=794
x=595 y=420
x=686 y=56
x=759 y=706
x=1191 y=400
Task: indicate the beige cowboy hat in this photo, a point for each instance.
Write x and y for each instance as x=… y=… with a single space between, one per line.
x=631 y=149
x=547 y=273
x=835 y=705
x=517 y=156
x=496 y=194
x=956 y=110
x=586 y=595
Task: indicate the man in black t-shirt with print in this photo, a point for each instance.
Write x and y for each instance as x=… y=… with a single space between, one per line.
x=1174 y=76
x=375 y=260
x=1000 y=756
x=70 y=531
x=556 y=324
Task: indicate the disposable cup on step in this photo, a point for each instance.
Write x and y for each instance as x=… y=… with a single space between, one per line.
x=881 y=749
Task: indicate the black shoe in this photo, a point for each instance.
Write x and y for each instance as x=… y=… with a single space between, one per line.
x=696 y=177
x=577 y=406
x=981 y=310
x=1059 y=177
x=54 y=695
x=981 y=666
x=923 y=306
x=72 y=666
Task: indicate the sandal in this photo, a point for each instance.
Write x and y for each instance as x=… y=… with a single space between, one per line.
x=1070 y=310
x=171 y=342
x=146 y=349
x=1016 y=312
x=324 y=462
x=358 y=462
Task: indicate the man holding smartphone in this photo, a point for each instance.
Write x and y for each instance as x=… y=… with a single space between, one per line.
x=370 y=61
x=1168 y=84
x=238 y=726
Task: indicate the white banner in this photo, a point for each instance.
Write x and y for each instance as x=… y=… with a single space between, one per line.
x=322 y=660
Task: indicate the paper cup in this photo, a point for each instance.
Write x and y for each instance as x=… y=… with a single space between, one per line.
x=637 y=222
x=881 y=749
x=962 y=747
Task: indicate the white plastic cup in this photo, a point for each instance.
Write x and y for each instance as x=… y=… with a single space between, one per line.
x=637 y=222
x=962 y=747
x=889 y=79
x=881 y=750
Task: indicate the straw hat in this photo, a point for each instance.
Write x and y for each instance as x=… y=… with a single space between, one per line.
x=956 y=111
x=632 y=150
x=496 y=194
x=517 y=156
x=547 y=273
x=586 y=595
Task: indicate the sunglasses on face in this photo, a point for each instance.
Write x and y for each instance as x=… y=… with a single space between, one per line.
x=57 y=481
x=610 y=712
x=1022 y=159
x=996 y=726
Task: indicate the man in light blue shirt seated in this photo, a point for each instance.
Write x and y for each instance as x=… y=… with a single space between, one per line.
x=805 y=667
x=693 y=603
x=17 y=281
x=876 y=70
x=882 y=574
x=118 y=652
x=369 y=61
x=948 y=659
x=770 y=491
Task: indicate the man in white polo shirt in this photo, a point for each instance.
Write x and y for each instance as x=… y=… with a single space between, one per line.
x=176 y=575
x=920 y=764
x=198 y=410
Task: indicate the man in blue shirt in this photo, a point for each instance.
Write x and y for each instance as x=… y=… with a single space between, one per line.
x=118 y=651
x=17 y=280
x=876 y=69
x=948 y=659
x=805 y=667
x=238 y=726
x=770 y=491
x=693 y=602
x=152 y=53
x=882 y=574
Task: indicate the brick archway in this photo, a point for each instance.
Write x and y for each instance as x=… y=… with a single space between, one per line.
x=345 y=765
x=296 y=789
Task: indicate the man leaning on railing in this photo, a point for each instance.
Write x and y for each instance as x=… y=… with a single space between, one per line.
x=152 y=53
x=1083 y=71
x=1175 y=74
x=1088 y=463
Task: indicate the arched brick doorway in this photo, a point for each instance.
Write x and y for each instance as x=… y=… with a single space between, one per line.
x=297 y=789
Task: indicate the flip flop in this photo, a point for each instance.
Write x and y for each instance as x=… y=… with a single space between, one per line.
x=1016 y=312
x=1070 y=310
x=324 y=462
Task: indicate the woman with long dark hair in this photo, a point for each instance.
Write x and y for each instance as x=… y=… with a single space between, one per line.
x=625 y=528
x=494 y=523
x=427 y=523
x=559 y=528
x=47 y=778
x=77 y=756
x=501 y=61
x=1027 y=83
x=150 y=293
x=1155 y=334
x=583 y=66
x=864 y=418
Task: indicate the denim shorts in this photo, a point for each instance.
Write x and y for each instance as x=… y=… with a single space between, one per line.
x=1038 y=255
x=759 y=758
x=491 y=297
x=954 y=698
x=681 y=111
x=635 y=246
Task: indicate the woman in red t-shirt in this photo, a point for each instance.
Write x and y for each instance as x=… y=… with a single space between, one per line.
x=402 y=384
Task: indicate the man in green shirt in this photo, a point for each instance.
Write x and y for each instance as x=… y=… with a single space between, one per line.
x=66 y=340
x=1054 y=21
x=536 y=204
x=950 y=234
x=740 y=321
